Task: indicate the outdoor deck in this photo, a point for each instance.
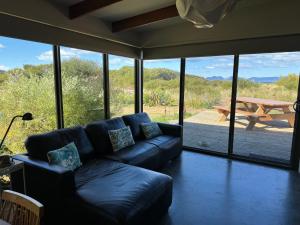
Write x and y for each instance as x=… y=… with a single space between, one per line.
x=270 y=140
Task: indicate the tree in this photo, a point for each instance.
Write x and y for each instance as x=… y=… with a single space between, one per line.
x=31 y=89
x=82 y=91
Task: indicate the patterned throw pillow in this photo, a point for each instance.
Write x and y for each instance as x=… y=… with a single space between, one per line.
x=121 y=138
x=151 y=130
x=67 y=157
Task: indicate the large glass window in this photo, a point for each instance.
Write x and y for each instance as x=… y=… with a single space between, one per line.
x=26 y=85
x=267 y=89
x=82 y=84
x=208 y=84
x=161 y=89
x=121 y=80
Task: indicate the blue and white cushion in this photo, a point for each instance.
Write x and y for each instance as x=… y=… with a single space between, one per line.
x=121 y=138
x=67 y=157
x=151 y=130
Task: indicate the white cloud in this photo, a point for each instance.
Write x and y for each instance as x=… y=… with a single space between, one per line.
x=2 y=67
x=161 y=60
x=267 y=60
x=118 y=61
x=224 y=58
x=220 y=65
x=45 y=56
x=65 y=53
x=283 y=59
x=210 y=67
x=254 y=61
x=245 y=65
x=2 y=46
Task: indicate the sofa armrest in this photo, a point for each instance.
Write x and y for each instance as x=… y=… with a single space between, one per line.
x=42 y=165
x=44 y=182
x=171 y=129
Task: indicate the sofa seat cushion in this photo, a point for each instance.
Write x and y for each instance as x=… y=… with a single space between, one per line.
x=39 y=145
x=141 y=154
x=98 y=134
x=116 y=193
x=170 y=146
x=134 y=121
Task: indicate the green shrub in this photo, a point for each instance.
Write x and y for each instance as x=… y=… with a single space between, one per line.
x=246 y=84
x=290 y=82
x=31 y=89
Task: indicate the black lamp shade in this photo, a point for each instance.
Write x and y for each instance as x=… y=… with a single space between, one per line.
x=27 y=116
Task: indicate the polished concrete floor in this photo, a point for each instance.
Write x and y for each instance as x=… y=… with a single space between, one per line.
x=209 y=190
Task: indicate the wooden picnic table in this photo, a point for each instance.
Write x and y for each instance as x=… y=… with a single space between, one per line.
x=258 y=110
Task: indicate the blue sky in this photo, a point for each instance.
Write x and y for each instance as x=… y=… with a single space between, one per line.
x=255 y=65
x=15 y=53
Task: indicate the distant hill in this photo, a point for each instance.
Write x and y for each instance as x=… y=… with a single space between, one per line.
x=215 y=78
x=2 y=71
x=264 y=79
x=218 y=78
x=167 y=74
x=254 y=79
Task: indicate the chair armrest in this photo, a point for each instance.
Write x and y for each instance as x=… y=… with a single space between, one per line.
x=171 y=129
x=44 y=182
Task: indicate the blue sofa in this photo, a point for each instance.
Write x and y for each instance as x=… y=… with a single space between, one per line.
x=110 y=188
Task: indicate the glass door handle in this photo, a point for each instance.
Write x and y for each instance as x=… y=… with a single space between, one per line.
x=296 y=106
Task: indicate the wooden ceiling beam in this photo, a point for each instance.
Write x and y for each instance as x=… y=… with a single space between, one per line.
x=146 y=18
x=87 y=6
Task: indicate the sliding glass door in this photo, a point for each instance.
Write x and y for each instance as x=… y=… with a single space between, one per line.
x=208 y=85
x=264 y=118
x=263 y=124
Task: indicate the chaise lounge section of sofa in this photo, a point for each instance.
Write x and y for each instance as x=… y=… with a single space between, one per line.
x=110 y=188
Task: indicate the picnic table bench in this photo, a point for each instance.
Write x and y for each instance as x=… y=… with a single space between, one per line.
x=258 y=110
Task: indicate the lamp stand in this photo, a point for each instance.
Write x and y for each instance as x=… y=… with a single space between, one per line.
x=11 y=122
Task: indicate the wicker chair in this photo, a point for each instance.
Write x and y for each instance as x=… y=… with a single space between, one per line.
x=19 y=209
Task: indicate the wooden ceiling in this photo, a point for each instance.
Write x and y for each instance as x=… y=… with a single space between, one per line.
x=87 y=6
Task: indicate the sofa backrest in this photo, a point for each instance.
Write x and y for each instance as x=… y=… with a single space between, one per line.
x=39 y=145
x=98 y=134
x=134 y=121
